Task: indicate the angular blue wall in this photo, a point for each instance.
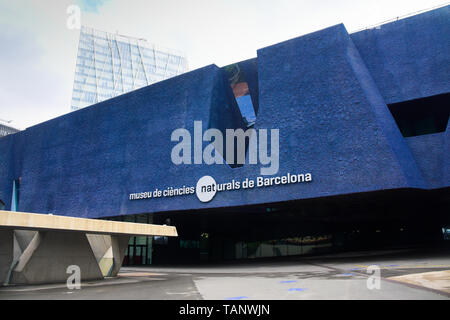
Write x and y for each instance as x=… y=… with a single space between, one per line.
x=332 y=119
x=409 y=58
x=428 y=150
x=327 y=93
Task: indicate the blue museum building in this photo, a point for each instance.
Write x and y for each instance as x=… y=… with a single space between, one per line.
x=362 y=160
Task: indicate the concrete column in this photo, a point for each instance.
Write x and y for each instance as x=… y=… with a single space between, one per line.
x=23 y=238
x=102 y=248
x=6 y=253
x=50 y=253
x=119 y=246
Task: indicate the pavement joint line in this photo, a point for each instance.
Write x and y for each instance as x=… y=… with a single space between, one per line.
x=196 y=289
x=140 y=274
x=423 y=276
x=63 y=286
x=406 y=266
x=442 y=293
x=415 y=286
x=417 y=267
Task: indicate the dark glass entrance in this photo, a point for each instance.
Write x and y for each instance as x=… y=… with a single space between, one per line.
x=139 y=251
x=357 y=222
x=137 y=255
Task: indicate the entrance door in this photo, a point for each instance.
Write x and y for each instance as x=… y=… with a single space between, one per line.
x=139 y=254
x=204 y=246
x=136 y=255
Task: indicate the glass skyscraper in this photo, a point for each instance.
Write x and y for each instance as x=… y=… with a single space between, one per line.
x=6 y=130
x=109 y=65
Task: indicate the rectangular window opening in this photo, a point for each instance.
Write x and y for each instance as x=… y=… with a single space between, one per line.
x=422 y=116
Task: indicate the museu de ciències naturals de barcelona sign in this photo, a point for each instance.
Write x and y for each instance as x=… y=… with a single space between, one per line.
x=206 y=187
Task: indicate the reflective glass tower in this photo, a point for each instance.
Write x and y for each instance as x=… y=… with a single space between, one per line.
x=6 y=130
x=109 y=65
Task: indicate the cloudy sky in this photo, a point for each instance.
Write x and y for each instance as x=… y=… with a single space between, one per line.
x=38 y=50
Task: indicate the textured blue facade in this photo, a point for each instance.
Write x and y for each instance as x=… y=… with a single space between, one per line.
x=327 y=93
x=408 y=59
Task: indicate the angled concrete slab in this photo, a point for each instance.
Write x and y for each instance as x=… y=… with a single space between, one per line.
x=40 y=222
x=38 y=249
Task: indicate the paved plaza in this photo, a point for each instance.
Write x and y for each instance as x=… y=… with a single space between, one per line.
x=405 y=274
